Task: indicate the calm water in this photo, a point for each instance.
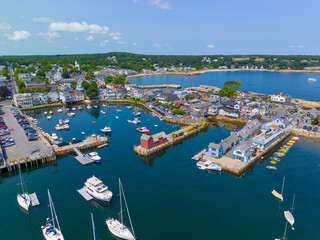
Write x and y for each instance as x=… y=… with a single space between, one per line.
x=295 y=84
x=168 y=197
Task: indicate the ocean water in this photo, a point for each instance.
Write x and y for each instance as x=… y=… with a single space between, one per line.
x=295 y=84
x=168 y=197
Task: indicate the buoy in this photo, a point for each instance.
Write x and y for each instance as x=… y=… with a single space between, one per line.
x=93 y=122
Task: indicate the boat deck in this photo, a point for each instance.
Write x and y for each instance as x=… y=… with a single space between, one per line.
x=84 y=194
x=81 y=158
x=34 y=199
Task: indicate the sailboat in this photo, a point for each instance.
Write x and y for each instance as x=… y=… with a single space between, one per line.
x=93 y=228
x=52 y=231
x=288 y=214
x=116 y=227
x=279 y=195
x=23 y=198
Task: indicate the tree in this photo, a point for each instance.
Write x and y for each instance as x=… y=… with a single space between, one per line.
x=120 y=80
x=4 y=92
x=315 y=121
x=74 y=85
x=21 y=84
x=108 y=79
x=190 y=96
x=41 y=73
x=253 y=98
x=65 y=73
x=92 y=91
x=230 y=88
x=233 y=84
x=178 y=111
x=85 y=85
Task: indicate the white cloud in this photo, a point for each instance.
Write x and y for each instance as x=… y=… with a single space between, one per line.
x=77 y=27
x=299 y=46
x=210 y=46
x=18 y=35
x=42 y=19
x=90 y=38
x=116 y=36
x=122 y=42
x=157 y=45
x=160 y=4
x=4 y=26
x=134 y=44
x=104 y=43
x=50 y=35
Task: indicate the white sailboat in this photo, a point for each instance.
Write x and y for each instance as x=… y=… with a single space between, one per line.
x=279 y=195
x=23 y=198
x=116 y=227
x=288 y=214
x=52 y=231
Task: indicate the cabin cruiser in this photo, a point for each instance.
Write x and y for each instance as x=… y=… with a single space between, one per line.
x=97 y=189
x=54 y=136
x=208 y=165
x=65 y=126
x=66 y=121
x=94 y=156
x=106 y=130
x=143 y=130
x=134 y=121
x=59 y=110
x=48 y=117
x=58 y=127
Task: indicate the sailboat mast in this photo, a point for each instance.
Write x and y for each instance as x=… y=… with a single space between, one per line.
x=21 y=181
x=121 y=217
x=294 y=195
x=283 y=185
x=285 y=232
x=51 y=211
x=93 y=228
x=125 y=202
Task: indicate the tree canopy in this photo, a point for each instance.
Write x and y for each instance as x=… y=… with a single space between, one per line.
x=85 y=85
x=230 y=88
x=92 y=91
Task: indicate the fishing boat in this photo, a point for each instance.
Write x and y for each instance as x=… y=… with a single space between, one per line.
x=143 y=130
x=288 y=214
x=104 y=113
x=134 y=121
x=59 y=110
x=118 y=110
x=94 y=156
x=23 y=198
x=279 y=195
x=129 y=107
x=83 y=133
x=137 y=114
x=115 y=226
x=208 y=165
x=52 y=231
x=271 y=168
x=48 y=117
x=97 y=189
x=54 y=136
x=106 y=130
x=58 y=127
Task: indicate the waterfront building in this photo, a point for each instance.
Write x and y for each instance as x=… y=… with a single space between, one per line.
x=248 y=130
x=243 y=151
x=202 y=108
x=43 y=98
x=54 y=96
x=229 y=112
x=309 y=115
x=152 y=141
x=280 y=97
x=217 y=150
x=36 y=99
x=23 y=100
x=65 y=97
x=77 y=96
x=167 y=97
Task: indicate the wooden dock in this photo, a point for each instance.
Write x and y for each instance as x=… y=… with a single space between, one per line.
x=82 y=158
x=84 y=194
x=199 y=155
x=34 y=199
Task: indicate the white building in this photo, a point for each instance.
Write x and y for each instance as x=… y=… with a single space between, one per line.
x=23 y=100
x=65 y=97
x=280 y=97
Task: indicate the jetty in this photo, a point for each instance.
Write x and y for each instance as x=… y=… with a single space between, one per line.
x=173 y=86
x=34 y=199
x=82 y=158
x=84 y=194
x=199 y=155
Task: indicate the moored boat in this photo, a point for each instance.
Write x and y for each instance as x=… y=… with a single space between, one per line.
x=94 y=156
x=279 y=195
x=23 y=198
x=134 y=121
x=271 y=168
x=54 y=136
x=97 y=189
x=208 y=165
x=143 y=130
x=106 y=130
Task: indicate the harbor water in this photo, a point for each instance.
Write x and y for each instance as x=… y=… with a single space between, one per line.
x=168 y=197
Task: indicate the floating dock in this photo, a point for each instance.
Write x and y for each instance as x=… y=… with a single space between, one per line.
x=82 y=158
x=84 y=194
x=199 y=155
x=34 y=199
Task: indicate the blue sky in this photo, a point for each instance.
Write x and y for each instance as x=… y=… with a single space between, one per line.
x=159 y=27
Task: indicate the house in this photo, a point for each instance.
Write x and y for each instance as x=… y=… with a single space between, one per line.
x=201 y=108
x=23 y=100
x=66 y=97
x=43 y=98
x=217 y=150
x=148 y=96
x=309 y=115
x=167 y=97
x=229 y=112
x=35 y=84
x=280 y=97
x=77 y=96
x=243 y=151
x=106 y=93
x=53 y=96
x=36 y=99
x=214 y=109
x=25 y=76
x=214 y=96
x=152 y=141
x=248 y=130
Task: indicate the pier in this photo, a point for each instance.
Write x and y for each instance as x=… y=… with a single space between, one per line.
x=84 y=194
x=34 y=199
x=82 y=158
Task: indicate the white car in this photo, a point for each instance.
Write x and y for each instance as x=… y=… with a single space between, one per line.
x=169 y=116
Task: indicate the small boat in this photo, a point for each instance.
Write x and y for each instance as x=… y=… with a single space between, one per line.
x=48 y=117
x=279 y=195
x=134 y=121
x=89 y=107
x=66 y=121
x=50 y=112
x=58 y=127
x=104 y=105
x=104 y=113
x=95 y=106
x=60 y=121
x=137 y=114
x=83 y=133
x=143 y=130
x=288 y=214
x=93 y=122
x=129 y=107
x=73 y=109
x=156 y=125
x=118 y=110
x=208 y=165
x=106 y=130
x=117 y=117
x=311 y=79
x=160 y=118
x=72 y=114
x=65 y=126
x=45 y=112
x=54 y=136
x=52 y=231
x=97 y=189
x=271 y=168
x=116 y=227
x=23 y=198
x=59 y=110
x=79 y=108
x=94 y=156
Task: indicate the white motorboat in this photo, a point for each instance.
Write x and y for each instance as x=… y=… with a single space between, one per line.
x=73 y=109
x=97 y=189
x=59 y=110
x=311 y=79
x=48 y=117
x=104 y=113
x=95 y=106
x=60 y=121
x=89 y=107
x=94 y=156
x=72 y=114
x=208 y=165
x=288 y=214
x=271 y=168
x=52 y=231
x=134 y=121
x=45 y=112
x=83 y=133
x=129 y=107
x=106 y=130
x=66 y=121
x=54 y=136
x=116 y=227
x=65 y=127
x=156 y=125
x=279 y=195
x=50 y=112
x=58 y=127
x=117 y=117
x=23 y=198
x=104 y=105
x=137 y=114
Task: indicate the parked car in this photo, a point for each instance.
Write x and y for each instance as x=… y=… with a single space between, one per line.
x=315 y=129
x=305 y=127
x=309 y=128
